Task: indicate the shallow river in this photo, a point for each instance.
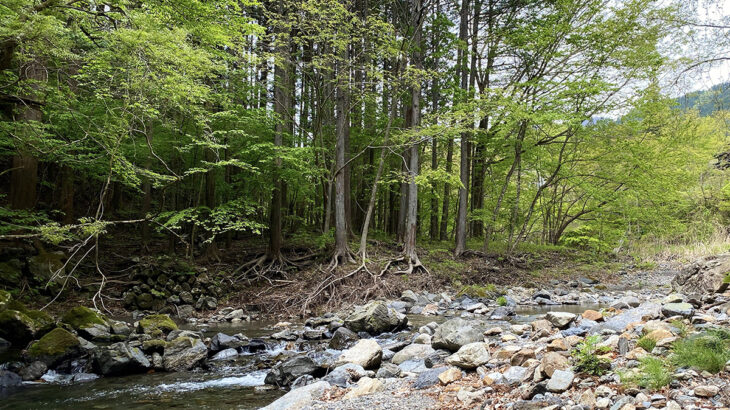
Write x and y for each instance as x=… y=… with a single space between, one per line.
x=230 y=385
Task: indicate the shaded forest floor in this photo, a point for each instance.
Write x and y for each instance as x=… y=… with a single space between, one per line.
x=311 y=288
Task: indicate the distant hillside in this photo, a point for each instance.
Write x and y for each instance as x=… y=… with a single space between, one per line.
x=716 y=98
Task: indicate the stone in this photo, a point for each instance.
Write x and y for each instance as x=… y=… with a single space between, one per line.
x=366 y=353
x=659 y=334
x=226 y=354
x=33 y=371
x=623 y=320
x=430 y=309
x=222 y=341
x=17 y=327
x=560 y=381
x=119 y=359
x=470 y=356
x=9 y=379
x=409 y=296
x=559 y=345
x=636 y=354
x=449 y=376
x=519 y=358
x=704 y=276
x=428 y=378
x=626 y=302
x=505 y=353
x=97 y=333
x=414 y=351
x=493 y=331
x=375 y=318
x=155 y=325
x=706 y=391
x=423 y=338
x=541 y=325
x=388 y=370
x=552 y=362
x=413 y=366
x=561 y=320
x=502 y=313
x=678 y=309
x=603 y=403
x=455 y=333
x=283 y=374
x=183 y=353
x=119 y=328
x=235 y=314
x=592 y=315
x=299 y=398
x=514 y=375
x=588 y=399
x=343 y=338
x=54 y=346
x=343 y=375
x=365 y=386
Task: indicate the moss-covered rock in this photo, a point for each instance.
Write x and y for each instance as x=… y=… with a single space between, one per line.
x=153 y=346
x=54 y=346
x=44 y=323
x=44 y=265
x=11 y=273
x=5 y=299
x=16 y=327
x=82 y=317
x=154 y=324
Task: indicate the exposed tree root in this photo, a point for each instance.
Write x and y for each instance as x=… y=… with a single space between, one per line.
x=268 y=265
x=414 y=265
x=341 y=257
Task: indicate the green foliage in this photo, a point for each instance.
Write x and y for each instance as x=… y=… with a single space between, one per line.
x=646 y=343
x=502 y=301
x=587 y=359
x=682 y=329
x=653 y=373
x=480 y=291
x=708 y=351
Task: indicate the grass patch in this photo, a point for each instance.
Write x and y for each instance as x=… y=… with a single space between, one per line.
x=681 y=327
x=708 y=351
x=480 y=291
x=653 y=373
x=502 y=301
x=646 y=343
x=587 y=358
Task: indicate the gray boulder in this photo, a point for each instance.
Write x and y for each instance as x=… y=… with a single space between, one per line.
x=428 y=378
x=677 y=309
x=342 y=376
x=33 y=371
x=119 y=359
x=414 y=351
x=706 y=275
x=375 y=318
x=227 y=354
x=514 y=375
x=387 y=371
x=560 y=381
x=470 y=356
x=222 y=341
x=299 y=398
x=343 y=338
x=455 y=333
x=366 y=353
x=285 y=373
x=9 y=379
x=561 y=320
x=183 y=353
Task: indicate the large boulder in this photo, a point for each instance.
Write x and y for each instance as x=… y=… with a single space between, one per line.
x=414 y=351
x=299 y=398
x=55 y=346
x=156 y=325
x=82 y=317
x=561 y=320
x=470 y=356
x=553 y=361
x=706 y=275
x=17 y=327
x=678 y=309
x=343 y=375
x=119 y=359
x=375 y=318
x=455 y=333
x=621 y=322
x=283 y=374
x=343 y=338
x=9 y=379
x=366 y=353
x=183 y=353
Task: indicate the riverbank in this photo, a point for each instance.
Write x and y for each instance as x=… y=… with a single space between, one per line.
x=572 y=342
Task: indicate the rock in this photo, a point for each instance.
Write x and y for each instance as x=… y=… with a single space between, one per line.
x=592 y=315
x=222 y=341
x=704 y=276
x=97 y=333
x=493 y=331
x=235 y=314
x=156 y=325
x=502 y=313
x=587 y=399
x=706 y=391
x=470 y=356
x=366 y=353
x=559 y=345
x=621 y=322
x=119 y=359
x=285 y=334
x=33 y=371
x=54 y=346
x=449 y=376
x=626 y=302
x=659 y=334
x=206 y=303
x=553 y=361
x=423 y=338
x=428 y=378
x=185 y=311
x=561 y=320
x=541 y=325
x=9 y=379
x=514 y=375
x=183 y=352
x=299 y=398
x=119 y=328
x=286 y=372
x=636 y=354
x=388 y=370
x=343 y=375
x=409 y=296
x=677 y=309
x=414 y=351
x=364 y=387
x=375 y=318
x=455 y=333
x=343 y=338
x=227 y=354
x=5 y=298
x=17 y=327
x=519 y=358
x=430 y=309
x=560 y=381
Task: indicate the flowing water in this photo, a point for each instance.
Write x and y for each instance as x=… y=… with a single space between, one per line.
x=238 y=384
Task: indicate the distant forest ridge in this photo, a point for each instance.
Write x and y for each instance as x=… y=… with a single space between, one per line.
x=717 y=98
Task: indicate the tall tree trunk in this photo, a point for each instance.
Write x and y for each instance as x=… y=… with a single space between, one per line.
x=464 y=152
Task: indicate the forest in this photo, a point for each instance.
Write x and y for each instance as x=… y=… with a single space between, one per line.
x=283 y=135
x=342 y=204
